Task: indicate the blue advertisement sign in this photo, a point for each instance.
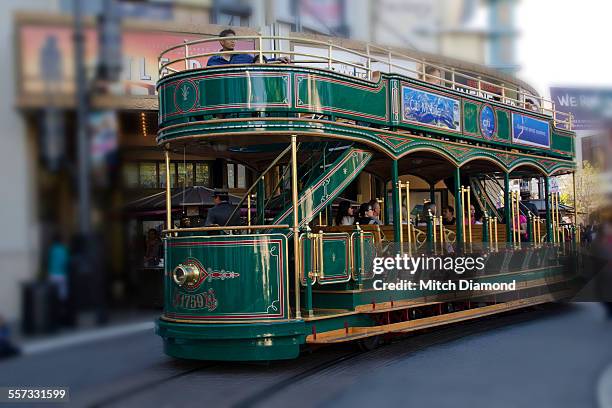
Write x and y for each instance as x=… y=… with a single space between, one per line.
x=530 y=131
x=487 y=122
x=428 y=108
x=590 y=106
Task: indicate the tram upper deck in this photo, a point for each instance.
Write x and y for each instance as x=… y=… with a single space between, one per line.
x=383 y=99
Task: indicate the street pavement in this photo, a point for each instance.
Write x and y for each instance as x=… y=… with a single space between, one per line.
x=553 y=356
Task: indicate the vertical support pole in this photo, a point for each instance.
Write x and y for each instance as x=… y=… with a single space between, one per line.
x=553 y=203
x=168 y=192
x=432 y=193
x=469 y=211
x=558 y=203
x=548 y=210
x=249 y=210
x=329 y=56
x=431 y=231
x=458 y=206
x=260 y=46
x=507 y=206
x=530 y=229
x=385 y=204
x=397 y=209
x=400 y=221
x=408 y=223
x=515 y=218
x=310 y=268
x=187 y=55
x=441 y=225
x=576 y=226
x=296 y=230
x=261 y=200
x=485 y=228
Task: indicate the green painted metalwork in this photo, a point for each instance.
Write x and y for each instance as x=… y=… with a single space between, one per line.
x=336 y=258
x=232 y=342
x=324 y=94
x=507 y=210
x=199 y=95
x=393 y=144
x=458 y=206
x=470 y=118
x=397 y=206
x=261 y=201
x=242 y=277
x=549 y=230
x=327 y=186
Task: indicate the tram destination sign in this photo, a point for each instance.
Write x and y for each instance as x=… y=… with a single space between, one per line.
x=530 y=131
x=430 y=109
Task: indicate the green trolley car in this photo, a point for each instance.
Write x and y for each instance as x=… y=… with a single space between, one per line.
x=287 y=278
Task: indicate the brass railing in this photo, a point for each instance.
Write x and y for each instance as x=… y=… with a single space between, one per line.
x=364 y=65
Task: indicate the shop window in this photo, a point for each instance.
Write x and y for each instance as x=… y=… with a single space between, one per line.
x=241 y=179
x=162 y=175
x=202 y=174
x=148 y=175
x=185 y=174
x=130 y=175
x=231 y=175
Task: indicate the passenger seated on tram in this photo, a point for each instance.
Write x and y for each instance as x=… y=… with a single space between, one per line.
x=345 y=214
x=229 y=44
x=366 y=215
x=433 y=76
x=376 y=209
x=475 y=217
x=448 y=216
x=222 y=211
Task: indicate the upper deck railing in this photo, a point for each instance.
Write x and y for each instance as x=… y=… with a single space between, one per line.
x=303 y=52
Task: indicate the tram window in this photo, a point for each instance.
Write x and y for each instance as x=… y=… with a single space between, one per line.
x=202 y=174
x=185 y=174
x=148 y=175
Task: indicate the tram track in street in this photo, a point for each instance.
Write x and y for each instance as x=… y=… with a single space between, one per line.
x=385 y=355
x=327 y=370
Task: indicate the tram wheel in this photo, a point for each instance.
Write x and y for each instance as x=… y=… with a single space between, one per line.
x=369 y=343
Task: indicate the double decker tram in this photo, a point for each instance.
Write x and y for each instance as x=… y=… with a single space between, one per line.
x=287 y=278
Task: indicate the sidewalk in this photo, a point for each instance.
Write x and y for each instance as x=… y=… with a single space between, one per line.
x=120 y=323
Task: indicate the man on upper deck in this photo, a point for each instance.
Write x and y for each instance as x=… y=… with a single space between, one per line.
x=228 y=44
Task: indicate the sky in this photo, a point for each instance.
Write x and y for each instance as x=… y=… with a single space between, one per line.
x=565 y=43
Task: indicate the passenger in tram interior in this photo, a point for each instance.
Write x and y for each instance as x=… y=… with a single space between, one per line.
x=448 y=216
x=433 y=76
x=229 y=44
x=222 y=211
x=366 y=215
x=345 y=216
x=376 y=208
x=475 y=217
